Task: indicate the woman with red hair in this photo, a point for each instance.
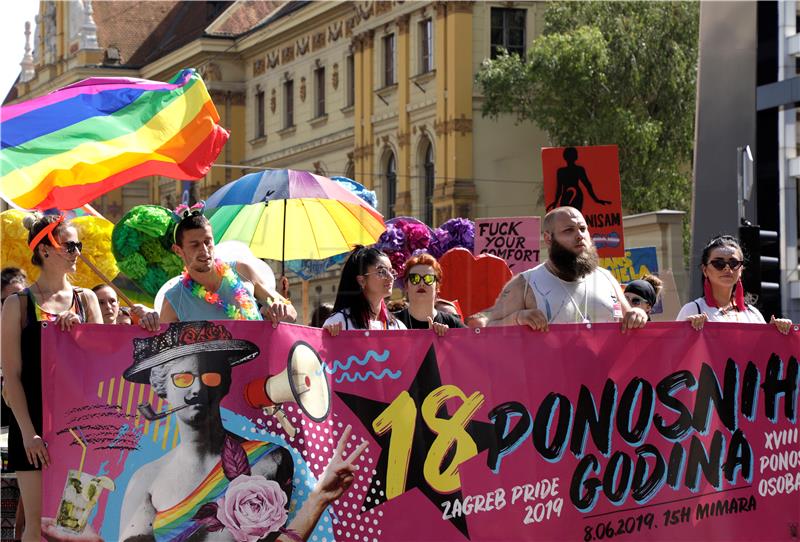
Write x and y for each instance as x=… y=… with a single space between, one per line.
x=421 y=281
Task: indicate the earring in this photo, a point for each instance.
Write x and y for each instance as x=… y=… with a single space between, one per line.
x=46 y=255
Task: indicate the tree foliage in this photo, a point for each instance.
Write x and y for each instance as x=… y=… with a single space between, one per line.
x=611 y=73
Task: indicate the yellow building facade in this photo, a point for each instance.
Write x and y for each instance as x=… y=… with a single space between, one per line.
x=379 y=91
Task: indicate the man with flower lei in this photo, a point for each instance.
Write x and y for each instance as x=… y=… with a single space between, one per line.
x=211 y=289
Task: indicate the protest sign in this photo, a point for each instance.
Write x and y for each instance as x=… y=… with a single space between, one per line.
x=587 y=178
x=515 y=239
x=634 y=264
x=475 y=282
x=580 y=433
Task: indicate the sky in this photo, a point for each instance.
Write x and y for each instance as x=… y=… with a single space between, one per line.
x=12 y=39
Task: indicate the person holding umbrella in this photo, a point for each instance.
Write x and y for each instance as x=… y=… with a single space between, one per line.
x=211 y=289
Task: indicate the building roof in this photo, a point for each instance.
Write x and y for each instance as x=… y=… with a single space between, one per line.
x=283 y=11
x=145 y=30
x=242 y=16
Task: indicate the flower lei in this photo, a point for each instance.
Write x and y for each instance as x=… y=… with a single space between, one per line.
x=243 y=307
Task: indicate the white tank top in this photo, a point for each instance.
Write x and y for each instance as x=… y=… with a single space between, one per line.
x=592 y=298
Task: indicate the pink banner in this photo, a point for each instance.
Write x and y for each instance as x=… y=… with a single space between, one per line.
x=580 y=433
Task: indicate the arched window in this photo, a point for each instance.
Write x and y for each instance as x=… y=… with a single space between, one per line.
x=428 y=184
x=390 y=172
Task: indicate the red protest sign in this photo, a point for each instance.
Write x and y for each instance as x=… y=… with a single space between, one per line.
x=587 y=178
x=515 y=239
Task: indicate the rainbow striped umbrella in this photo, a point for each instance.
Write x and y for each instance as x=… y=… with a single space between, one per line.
x=292 y=215
x=69 y=147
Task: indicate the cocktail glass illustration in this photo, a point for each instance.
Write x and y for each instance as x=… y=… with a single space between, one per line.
x=81 y=493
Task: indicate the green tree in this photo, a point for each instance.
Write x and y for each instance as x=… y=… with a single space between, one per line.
x=611 y=73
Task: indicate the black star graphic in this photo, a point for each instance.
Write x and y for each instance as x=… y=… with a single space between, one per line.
x=426 y=380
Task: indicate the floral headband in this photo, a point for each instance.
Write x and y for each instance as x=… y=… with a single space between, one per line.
x=47 y=231
x=183 y=211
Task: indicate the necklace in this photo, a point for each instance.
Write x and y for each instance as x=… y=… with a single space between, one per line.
x=242 y=308
x=582 y=314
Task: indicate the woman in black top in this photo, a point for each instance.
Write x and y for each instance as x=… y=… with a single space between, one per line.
x=51 y=298
x=421 y=279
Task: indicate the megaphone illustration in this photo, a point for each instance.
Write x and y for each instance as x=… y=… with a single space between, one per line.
x=303 y=382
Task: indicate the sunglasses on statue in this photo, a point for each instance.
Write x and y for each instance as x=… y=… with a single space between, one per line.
x=184 y=380
x=71 y=247
x=415 y=278
x=720 y=264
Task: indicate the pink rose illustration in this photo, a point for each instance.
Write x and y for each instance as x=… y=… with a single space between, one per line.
x=252 y=508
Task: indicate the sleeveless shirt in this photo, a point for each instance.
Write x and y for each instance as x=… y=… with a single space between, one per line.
x=189 y=307
x=592 y=298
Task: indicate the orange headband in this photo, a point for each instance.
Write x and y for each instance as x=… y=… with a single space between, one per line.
x=48 y=231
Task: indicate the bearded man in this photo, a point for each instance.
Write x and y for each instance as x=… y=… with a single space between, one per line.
x=569 y=287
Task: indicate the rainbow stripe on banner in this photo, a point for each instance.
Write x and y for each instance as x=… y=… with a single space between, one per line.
x=73 y=145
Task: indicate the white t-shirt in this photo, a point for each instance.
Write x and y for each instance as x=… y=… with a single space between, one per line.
x=749 y=316
x=592 y=298
x=347 y=323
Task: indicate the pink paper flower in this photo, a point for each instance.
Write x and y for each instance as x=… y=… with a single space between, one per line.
x=252 y=508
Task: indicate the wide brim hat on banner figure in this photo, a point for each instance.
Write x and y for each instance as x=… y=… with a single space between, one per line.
x=183 y=339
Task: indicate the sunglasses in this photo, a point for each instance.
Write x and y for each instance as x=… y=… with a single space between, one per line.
x=184 y=380
x=415 y=278
x=71 y=247
x=720 y=264
x=384 y=273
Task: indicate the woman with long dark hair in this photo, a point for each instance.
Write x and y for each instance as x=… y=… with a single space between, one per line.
x=723 y=293
x=55 y=246
x=367 y=279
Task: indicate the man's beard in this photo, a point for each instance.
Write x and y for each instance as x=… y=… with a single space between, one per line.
x=571 y=266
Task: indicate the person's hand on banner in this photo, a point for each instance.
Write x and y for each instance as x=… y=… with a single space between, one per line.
x=697 y=320
x=339 y=473
x=52 y=533
x=65 y=320
x=35 y=450
x=533 y=318
x=147 y=318
x=334 y=329
x=439 y=329
x=784 y=325
x=635 y=318
x=276 y=312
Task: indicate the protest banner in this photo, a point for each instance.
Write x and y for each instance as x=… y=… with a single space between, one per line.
x=580 y=433
x=587 y=178
x=515 y=239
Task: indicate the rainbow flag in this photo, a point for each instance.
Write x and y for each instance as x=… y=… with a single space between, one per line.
x=71 y=146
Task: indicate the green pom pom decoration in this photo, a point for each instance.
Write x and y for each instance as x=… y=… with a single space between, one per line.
x=172 y=264
x=152 y=250
x=151 y=220
x=124 y=241
x=142 y=243
x=134 y=266
x=154 y=279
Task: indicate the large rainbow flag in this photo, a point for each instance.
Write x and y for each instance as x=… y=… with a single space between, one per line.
x=69 y=147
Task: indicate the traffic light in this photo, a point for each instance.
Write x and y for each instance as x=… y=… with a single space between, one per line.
x=761 y=277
